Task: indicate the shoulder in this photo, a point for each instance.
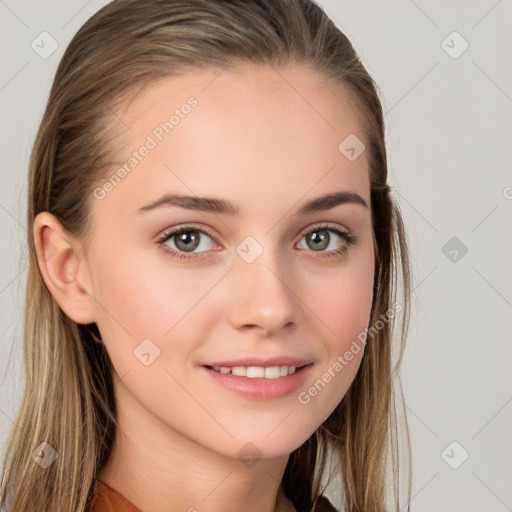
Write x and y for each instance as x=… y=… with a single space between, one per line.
x=107 y=499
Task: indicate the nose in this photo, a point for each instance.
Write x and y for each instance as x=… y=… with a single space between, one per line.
x=264 y=295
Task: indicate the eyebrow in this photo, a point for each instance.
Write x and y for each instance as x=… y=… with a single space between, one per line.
x=213 y=205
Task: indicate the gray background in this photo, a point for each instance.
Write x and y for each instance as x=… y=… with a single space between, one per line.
x=448 y=130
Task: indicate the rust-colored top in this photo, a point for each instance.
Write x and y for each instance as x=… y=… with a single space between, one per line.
x=106 y=499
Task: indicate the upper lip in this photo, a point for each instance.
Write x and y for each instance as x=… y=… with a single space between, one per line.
x=264 y=362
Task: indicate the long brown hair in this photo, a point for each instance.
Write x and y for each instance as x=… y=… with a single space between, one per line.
x=68 y=399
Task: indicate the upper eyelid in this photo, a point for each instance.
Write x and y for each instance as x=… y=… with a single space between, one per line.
x=168 y=233
x=345 y=234
x=207 y=231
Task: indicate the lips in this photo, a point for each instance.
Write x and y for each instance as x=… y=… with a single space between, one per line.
x=258 y=388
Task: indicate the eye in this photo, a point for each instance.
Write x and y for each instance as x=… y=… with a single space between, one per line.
x=186 y=239
x=319 y=239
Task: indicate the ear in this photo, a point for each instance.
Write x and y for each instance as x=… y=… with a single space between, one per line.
x=63 y=268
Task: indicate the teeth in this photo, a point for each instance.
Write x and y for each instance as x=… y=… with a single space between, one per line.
x=257 y=372
x=272 y=372
x=254 y=372
x=241 y=371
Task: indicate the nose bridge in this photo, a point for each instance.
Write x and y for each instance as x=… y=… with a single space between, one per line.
x=263 y=295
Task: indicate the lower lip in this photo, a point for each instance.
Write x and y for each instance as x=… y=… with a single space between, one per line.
x=259 y=388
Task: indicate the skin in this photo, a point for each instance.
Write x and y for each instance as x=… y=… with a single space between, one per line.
x=257 y=142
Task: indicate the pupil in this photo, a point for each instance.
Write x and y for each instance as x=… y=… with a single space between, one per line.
x=185 y=238
x=319 y=238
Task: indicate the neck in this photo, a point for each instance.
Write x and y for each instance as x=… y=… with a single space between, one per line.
x=159 y=469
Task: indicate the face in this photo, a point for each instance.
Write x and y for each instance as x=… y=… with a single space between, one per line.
x=266 y=282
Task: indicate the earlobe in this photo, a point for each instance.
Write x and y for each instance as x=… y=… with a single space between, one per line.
x=62 y=268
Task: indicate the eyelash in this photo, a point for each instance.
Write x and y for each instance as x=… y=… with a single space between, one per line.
x=350 y=240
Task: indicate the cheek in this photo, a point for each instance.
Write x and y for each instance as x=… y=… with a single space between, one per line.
x=137 y=301
x=342 y=302
x=342 y=299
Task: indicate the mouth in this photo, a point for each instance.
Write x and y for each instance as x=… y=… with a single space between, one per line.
x=257 y=372
x=259 y=382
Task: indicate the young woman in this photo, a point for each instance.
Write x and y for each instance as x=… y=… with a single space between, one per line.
x=215 y=265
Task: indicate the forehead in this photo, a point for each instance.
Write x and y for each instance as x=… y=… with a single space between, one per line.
x=252 y=130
